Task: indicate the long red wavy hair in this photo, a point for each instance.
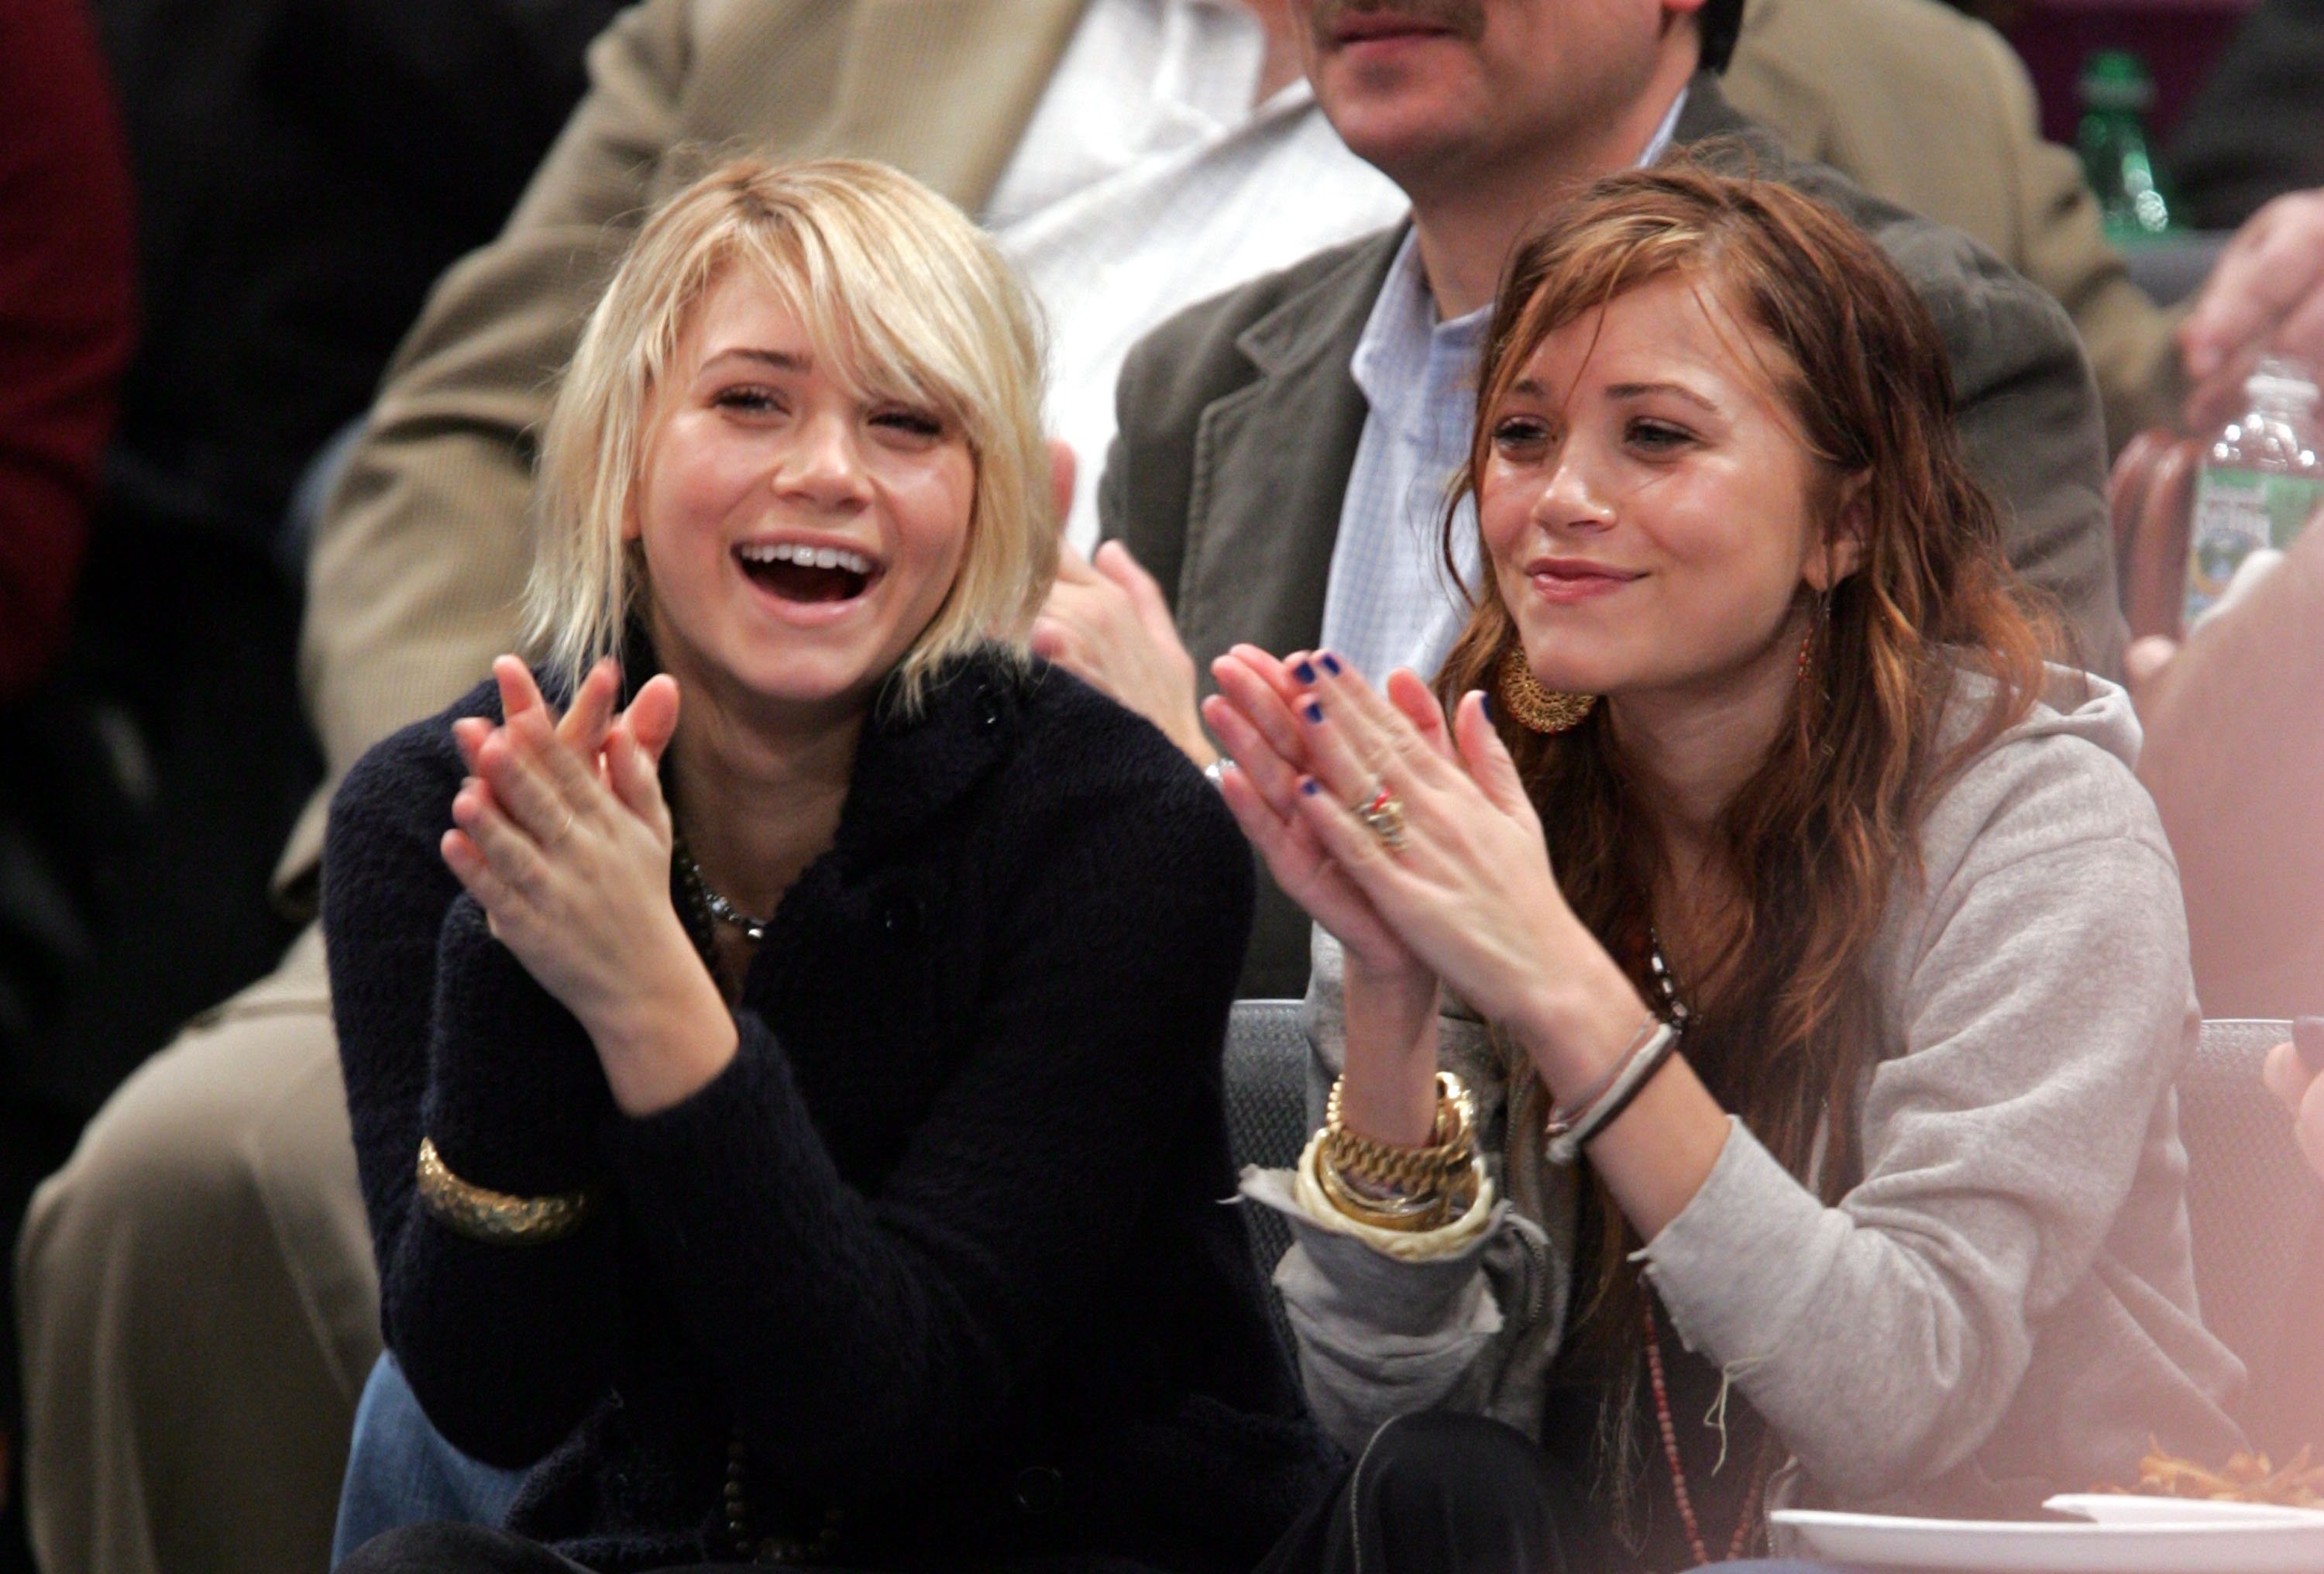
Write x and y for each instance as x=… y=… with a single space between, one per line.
x=1784 y=1023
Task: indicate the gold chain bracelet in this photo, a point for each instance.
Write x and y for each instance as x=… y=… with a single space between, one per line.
x=496 y=1218
x=1453 y=1145
x=1409 y=1189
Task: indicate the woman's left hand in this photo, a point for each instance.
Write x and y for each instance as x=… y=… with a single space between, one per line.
x=1470 y=890
x=563 y=836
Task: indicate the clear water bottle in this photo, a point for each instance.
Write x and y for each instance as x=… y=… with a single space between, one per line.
x=2117 y=93
x=2259 y=483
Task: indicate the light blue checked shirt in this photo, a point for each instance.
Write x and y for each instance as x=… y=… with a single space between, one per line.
x=1388 y=602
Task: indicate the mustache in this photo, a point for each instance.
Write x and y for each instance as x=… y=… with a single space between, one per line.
x=1463 y=17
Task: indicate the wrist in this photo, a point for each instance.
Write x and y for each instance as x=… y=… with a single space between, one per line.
x=1196 y=745
x=1574 y=1031
x=669 y=1034
x=1388 y=1084
x=1404 y=982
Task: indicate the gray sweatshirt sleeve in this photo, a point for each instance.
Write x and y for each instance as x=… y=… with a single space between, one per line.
x=1380 y=1336
x=2043 y=1008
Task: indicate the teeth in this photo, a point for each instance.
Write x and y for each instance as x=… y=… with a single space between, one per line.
x=807 y=556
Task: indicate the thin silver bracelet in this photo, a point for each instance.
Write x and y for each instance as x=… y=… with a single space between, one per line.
x=1566 y=1147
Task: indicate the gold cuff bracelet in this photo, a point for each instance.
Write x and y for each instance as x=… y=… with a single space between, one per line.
x=496 y=1218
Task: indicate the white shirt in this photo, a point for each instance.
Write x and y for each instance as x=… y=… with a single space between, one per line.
x=1146 y=181
x=1388 y=602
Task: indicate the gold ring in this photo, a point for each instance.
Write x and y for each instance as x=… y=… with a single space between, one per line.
x=1384 y=817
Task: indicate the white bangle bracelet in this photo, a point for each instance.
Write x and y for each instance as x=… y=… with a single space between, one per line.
x=1566 y=1147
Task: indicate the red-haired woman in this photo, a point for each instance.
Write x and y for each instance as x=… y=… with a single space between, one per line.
x=1808 y=964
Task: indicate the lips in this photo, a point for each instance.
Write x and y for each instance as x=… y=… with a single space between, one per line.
x=1568 y=579
x=1349 y=24
x=1373 y=29
x=807 y=571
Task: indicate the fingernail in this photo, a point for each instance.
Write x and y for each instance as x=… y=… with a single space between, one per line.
x=1331 y=663
x=1312 y=711
x=1309 y=786
x=1305 y=672
x=1486 y=703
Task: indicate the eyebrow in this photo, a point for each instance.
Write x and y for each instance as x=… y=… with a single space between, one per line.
x=1532 y=387
x=1678 y=391
x=781 y=360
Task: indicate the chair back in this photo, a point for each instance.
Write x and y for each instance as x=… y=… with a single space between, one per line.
x=2257 y=1215
x=1267 y=1120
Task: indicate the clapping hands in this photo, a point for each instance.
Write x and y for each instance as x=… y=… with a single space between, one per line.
x=561 y=833
x=1469 y=898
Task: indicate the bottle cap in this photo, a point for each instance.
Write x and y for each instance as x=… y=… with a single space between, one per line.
x=2282 y=382
x=2116 y=79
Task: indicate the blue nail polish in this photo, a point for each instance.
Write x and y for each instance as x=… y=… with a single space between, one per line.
x=1305 y=672
x=1486 y=701
x=1312 y=711
x=1311 y=787
x=1331 y=663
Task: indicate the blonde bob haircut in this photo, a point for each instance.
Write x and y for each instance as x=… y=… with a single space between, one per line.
x=900 y=296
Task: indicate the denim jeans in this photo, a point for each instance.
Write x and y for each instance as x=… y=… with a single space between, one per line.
x=401 y=1471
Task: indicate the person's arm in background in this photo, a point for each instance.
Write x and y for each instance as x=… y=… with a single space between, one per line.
x=421 y=555
x=67 y=315
x=2235 y=759
x=2265 y=295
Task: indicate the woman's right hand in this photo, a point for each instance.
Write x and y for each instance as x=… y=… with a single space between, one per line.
x=563 y=836
x=1388 y=1092
x=1250 y=716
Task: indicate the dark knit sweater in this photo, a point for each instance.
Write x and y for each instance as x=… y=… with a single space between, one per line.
x=945 y=1238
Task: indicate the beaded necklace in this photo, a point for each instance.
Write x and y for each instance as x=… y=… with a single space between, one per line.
x=1747 y=1521
x=1675 y=1011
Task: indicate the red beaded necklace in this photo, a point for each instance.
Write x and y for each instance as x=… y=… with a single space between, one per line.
x=1746 y=1522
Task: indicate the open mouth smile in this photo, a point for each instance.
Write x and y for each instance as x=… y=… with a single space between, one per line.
x=801 y=572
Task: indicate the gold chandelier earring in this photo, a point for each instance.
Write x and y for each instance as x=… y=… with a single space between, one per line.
x=1819 y=628
x=1534 y=707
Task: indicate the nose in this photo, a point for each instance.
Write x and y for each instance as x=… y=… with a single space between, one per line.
x=1575 y=496
x=822 y=464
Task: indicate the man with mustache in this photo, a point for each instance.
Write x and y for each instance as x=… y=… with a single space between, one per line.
x=1283 y=451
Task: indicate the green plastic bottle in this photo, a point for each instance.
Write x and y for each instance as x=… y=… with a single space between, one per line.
x=2117 y=93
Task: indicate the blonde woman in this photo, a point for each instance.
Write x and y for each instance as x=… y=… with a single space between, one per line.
x=790 y=1119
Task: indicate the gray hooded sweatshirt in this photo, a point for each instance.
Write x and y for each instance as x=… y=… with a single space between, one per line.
x=2003 y=1308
